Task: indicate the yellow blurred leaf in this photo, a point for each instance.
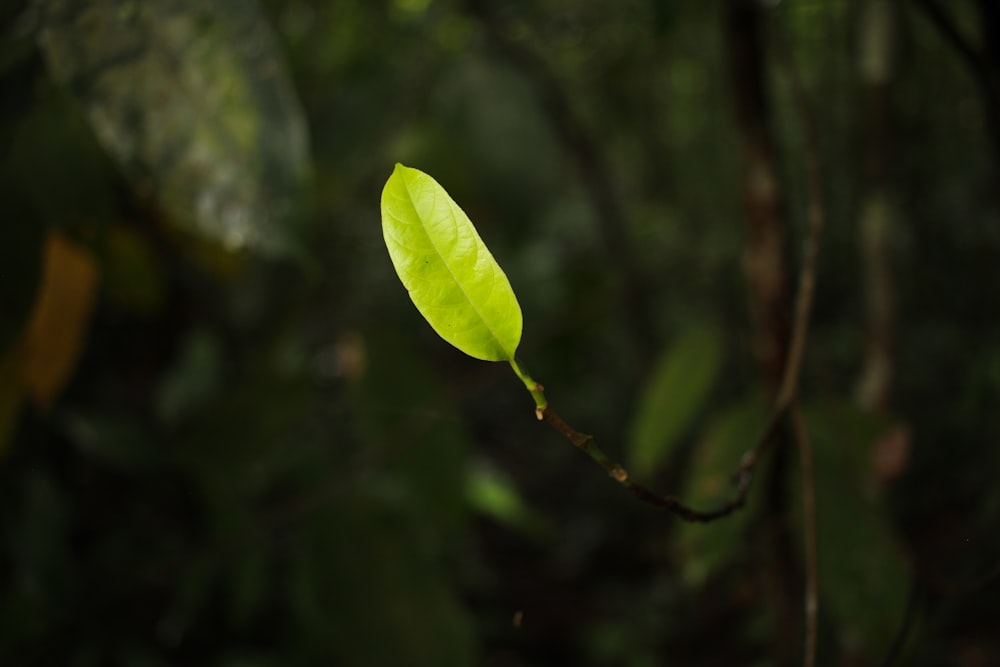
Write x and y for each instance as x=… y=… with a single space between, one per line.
x=58 y=321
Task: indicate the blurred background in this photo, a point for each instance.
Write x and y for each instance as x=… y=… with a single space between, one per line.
x=228 y=438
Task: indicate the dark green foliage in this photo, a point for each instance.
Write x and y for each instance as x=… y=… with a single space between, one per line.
x=266 y=457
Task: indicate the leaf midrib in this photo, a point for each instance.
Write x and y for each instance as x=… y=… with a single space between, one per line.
x=444 y=261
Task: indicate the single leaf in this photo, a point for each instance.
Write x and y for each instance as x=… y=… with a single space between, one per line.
x=677 y=389
x=450 y=274
x=491 y=493
x=191 y=99
x=58 y=322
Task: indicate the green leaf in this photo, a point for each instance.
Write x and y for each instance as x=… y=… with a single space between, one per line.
x=450 y=274
x=491 y=493
x=677 y=389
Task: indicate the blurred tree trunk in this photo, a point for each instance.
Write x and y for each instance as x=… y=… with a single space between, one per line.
x=765 y=258
x=765 y=263
x=875 y=39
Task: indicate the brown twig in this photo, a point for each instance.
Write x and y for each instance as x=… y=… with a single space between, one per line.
x=585 y=443
x=787 y=393
x=789 y=386
x=767 y=272
x=817 y=225
x=743 y=476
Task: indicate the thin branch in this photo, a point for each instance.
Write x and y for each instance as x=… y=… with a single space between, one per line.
x=586 y=443
x=787 y=393
x=817 y=224
x=803 y=307
x=790 y=378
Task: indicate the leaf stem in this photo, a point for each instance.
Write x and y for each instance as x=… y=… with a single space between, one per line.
x=535 y=388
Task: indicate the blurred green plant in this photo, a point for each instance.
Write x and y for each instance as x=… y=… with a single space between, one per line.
x=678 y=388
x=212 y=459
x=193 y=103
